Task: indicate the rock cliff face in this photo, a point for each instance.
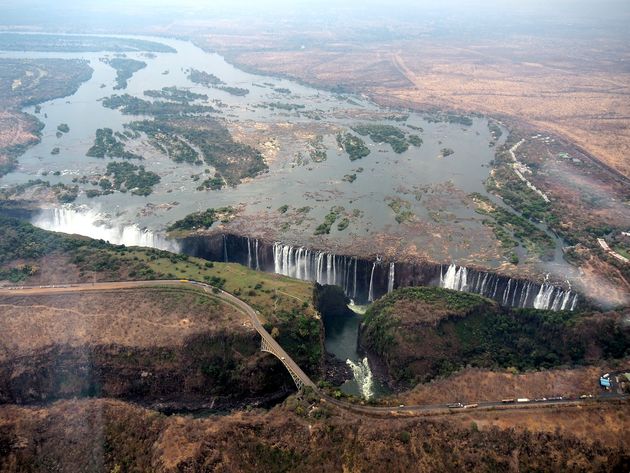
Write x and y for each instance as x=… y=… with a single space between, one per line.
x=368 y=277
x=167 y=348
x=221 y=370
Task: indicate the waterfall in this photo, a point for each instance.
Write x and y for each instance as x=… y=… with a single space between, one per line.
x=249 y=254
x=371 y=291
x=354 y=285
x=455 y=278
x=507 y=291
x=544 y=298
x=225 y=250
x=327 y=268
x=363 y=377
x=256 y=251
x=390 y=277
x=93 y=224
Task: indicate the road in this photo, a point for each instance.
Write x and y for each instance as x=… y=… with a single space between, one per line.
x=278 y=351
x=226 y=297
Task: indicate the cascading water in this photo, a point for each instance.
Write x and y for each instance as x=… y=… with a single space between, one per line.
x=256 y=251
x=390 y=277
x=552 y=298
x=510 y=292
x=371 y=290
x=455 y=278
x=354 y=285
x=362 y=376
x=317 y=266
x=249 y=253
x=91 y=223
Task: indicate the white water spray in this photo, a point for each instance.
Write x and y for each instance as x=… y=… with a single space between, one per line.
x=93 y=224
x=363 y=377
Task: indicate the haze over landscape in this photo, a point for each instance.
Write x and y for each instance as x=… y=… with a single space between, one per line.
x=306 y=235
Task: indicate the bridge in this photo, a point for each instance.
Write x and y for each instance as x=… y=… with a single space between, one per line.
x=268 y=343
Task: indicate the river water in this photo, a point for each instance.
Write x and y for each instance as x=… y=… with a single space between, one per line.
x=342 y=341
x=443 y=224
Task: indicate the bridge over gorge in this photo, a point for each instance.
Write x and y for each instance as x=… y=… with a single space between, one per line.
x=269 y=345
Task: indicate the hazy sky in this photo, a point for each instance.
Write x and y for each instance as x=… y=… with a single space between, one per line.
x=121 y=14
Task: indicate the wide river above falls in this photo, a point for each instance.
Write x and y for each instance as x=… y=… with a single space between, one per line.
x=429 y=187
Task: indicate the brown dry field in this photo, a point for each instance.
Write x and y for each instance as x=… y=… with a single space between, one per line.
x=476 y=385
x=135 y=317
x=575 y=88
x=14 y=131
x=607 y=423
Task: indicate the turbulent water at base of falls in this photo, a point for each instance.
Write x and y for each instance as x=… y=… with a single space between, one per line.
x=91 y=223
x=357 y=308
x=514 y=292
x=363 y=377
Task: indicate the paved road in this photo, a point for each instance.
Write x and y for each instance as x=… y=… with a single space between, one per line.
x=246 y=309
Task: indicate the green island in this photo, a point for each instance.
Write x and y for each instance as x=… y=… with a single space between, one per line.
x=384 y=134
x=214 y=183
x=415 y=140
x=401 y=208
x=237 y=91
x=353 y=145
x=125 y=68
x=445 y=152
x=204 y=78
x=168 y=143
x=330 y=218
x=106 y=145
x=284 y=106
x=495 y=130
x=203 y=220
x=317 y=149
x=175 y=94
x=130 y=105
x=184 y=138
x=63 y=128
x=440 y=117
x=124 y=176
